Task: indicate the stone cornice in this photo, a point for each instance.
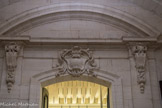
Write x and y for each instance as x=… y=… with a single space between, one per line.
x=133 y=39
x=28 y=39
x=15 y=38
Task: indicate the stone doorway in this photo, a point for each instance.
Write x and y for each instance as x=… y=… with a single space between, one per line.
x=77 y=94
x=42 y=80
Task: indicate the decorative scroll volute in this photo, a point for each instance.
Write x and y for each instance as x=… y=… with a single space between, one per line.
x=12 y=50
x=76 y=61
x=139 y=52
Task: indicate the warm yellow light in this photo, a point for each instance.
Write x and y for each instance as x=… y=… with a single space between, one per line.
x=76 y=92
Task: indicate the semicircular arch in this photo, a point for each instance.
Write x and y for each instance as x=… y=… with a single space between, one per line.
x=90 y=12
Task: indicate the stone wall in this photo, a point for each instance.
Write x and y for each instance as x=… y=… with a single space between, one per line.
x=35 y=59
x=124 y=36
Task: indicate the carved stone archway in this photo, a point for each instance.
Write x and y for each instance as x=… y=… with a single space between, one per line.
x=76 y=64
x=49 y=77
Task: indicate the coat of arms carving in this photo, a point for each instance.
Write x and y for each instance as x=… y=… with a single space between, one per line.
x=76 y=61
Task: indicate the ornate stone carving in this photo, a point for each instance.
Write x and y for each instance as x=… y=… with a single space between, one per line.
x=139 y=51
x=12 y=49
x=76 y=62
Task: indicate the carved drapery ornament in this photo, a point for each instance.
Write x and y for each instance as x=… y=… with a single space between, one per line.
x=139 y=52
x=12 y=49
x=76 y=61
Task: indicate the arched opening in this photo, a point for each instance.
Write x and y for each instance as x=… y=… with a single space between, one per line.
x=77 y=92
x=103 y=79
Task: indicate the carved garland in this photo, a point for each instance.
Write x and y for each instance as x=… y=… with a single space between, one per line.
x=76 y=62
x=12 y=49
x=139 y=51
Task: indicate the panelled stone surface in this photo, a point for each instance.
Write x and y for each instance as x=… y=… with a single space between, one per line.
x=76 y=29
x=33 y=66
x=105 y=27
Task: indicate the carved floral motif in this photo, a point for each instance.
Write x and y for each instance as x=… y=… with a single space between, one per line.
x=76 y=62
x=12 y=49
x=139 y=51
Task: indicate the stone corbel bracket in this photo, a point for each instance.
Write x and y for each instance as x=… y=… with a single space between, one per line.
x=12 y=49
x=139 y=52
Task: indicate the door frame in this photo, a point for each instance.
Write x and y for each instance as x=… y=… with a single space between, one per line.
x=105 y=78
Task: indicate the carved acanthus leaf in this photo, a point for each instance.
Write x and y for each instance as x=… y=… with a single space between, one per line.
x=139 y=52
x=12 y=50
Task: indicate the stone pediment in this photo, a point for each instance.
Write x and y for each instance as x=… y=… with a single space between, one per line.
x=87 y=12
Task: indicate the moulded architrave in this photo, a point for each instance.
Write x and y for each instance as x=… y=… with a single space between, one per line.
x=103 y=77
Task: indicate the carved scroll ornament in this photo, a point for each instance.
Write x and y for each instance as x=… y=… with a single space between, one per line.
x=12 y=49
x=139 y=51
x=76 y=61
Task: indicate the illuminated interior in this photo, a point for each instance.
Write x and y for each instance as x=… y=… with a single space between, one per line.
x=77 y=94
